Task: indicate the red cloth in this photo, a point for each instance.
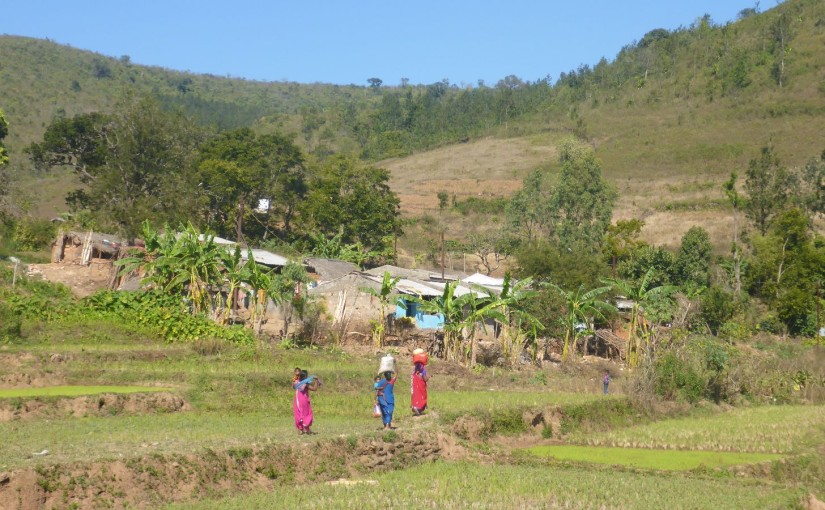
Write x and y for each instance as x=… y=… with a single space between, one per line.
x=419 y=390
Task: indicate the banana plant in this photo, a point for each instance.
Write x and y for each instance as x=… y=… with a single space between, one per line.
x=451 y=307
x=582 y=308
x=384 y=295
x=639 y=335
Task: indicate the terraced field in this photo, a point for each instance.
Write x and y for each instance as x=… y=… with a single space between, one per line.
x=493 y=438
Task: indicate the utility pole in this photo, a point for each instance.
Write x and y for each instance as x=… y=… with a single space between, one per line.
x=818 y=283
x=442 y=255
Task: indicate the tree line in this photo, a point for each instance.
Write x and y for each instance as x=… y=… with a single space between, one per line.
x=142 y=162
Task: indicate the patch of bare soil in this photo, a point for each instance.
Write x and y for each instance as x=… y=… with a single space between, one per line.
x=27 y=380
x=82 y=280
x=92 y=405
x=152 y=480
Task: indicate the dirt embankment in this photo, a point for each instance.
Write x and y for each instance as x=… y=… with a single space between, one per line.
x=91 y=405
x=148 y=481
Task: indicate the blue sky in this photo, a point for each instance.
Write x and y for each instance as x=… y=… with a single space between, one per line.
x=348 y=42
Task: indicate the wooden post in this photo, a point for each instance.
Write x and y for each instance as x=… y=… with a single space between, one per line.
x=59 y=244
x=442 y=255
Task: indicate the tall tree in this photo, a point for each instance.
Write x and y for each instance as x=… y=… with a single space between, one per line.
x=737 y=203
x=814 y=189
x=582 y=199
x=786 y=266
x=133 y=164
x=239 y=167
x=527 y=211
x=768 y=186
x=346 y=197
x=692 y=266
x=621 y=240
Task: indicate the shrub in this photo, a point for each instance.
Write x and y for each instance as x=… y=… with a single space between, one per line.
x=718 y=307
x=735 y=331
x=676 y=378
x=33 y=234
x=9 y=323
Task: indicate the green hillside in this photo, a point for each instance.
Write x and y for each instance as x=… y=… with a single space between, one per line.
x=670 y=116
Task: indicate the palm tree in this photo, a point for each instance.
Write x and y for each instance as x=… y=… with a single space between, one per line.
x=384 y=295
x=582 y=308
x=638 y=339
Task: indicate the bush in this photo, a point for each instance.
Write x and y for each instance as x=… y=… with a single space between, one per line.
x=10 y=323
x=718 y=307
x=32 y=234
x=735 y=331
x=677 y=379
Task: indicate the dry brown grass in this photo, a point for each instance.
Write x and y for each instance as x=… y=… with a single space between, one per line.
x=491 y=167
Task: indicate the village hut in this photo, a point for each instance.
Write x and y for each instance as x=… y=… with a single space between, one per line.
x=83 y=248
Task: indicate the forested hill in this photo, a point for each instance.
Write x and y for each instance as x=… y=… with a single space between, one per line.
x=698 y=100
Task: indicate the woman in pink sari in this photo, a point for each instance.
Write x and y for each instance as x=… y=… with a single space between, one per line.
x=301 y=406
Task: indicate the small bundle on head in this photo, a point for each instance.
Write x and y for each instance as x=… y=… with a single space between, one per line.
x=420 y=356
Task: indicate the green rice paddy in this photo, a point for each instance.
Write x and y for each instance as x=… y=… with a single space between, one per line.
x=644 y=458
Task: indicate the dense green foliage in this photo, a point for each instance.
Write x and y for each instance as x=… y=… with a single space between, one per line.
x=164 y=315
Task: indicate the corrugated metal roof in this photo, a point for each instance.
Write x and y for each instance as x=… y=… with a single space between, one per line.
x=215 y=239
x=484 y=280
x=266 y=258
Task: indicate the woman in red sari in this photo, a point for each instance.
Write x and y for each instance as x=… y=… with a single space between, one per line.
x=419 y=389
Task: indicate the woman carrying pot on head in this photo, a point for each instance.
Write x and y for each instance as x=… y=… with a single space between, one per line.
x=418 y=403
x=384 y=393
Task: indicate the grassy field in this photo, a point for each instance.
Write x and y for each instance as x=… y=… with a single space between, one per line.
x=771 y=429
x=73 y=391
x=239 y=407
x=471 y=485
x=646 y=458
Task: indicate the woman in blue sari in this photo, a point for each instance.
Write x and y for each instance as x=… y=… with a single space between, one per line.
x=384 y=393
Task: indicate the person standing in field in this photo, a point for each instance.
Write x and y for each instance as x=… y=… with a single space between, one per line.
x=301 y=405
x=384 y=393
x=606 y=381
x=419 y=388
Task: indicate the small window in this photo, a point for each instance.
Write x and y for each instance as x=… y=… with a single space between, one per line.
x=411 y=309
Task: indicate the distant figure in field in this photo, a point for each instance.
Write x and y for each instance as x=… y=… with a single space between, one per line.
x=419 y=388
x=606 y=381
x=303 y=383
x=384 y=393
